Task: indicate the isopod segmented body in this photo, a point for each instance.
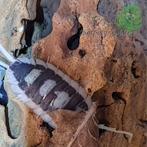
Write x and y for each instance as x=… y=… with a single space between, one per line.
x=45 y=88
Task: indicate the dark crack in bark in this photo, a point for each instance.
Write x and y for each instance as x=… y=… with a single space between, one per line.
x=7 y=124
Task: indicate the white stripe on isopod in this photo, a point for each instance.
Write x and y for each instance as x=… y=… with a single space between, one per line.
x=26 y=100
x=32 y=76
x=47 y=87
x=61 y=100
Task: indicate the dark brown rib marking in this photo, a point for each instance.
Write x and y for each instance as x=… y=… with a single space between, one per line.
x=70 y=90
x=37 y=97
x=44 y=104
x=75 y=100
x=21 y=70
x=34 y=88
x=51 y=96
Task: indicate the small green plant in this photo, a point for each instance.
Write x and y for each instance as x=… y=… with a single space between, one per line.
x=129 y=19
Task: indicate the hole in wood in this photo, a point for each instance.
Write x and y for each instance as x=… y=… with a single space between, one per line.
x=135 y=70
x=82 y=53
x=117 y=96
x=48 y=128
x=104 y=122
x=74 y=41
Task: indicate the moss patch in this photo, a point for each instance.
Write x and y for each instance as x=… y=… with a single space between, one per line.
x=129 y=19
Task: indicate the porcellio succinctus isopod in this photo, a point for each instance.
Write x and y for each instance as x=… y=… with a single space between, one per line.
x=43 y=87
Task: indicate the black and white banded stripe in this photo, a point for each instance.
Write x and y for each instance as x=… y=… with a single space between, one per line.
x=43 y=87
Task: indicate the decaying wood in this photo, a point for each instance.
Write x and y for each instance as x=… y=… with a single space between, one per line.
x=113 y=68
x=88 y=116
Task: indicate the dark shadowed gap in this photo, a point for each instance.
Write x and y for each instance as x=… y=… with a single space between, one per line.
x=7 y=124
x=117 y=96
x=106 y=123
x=74 y=41
x=26 y=39
x=29 y=24
x=134 y=70
x=44 y=14
x=82 y=53
x=48 y=128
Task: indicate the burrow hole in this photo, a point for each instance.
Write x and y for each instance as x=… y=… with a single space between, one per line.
x=135 y=71
x=82 y=53
x=104 y=122
x=117 y=96
x=74 y=41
